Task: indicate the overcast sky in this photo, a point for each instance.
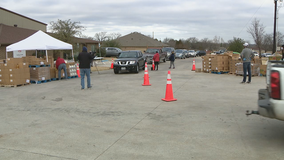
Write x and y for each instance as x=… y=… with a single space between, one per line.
x=177 y=19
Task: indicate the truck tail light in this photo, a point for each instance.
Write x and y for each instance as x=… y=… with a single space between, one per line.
x=275 y=85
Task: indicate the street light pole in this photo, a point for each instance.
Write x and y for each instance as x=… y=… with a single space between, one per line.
x=274 y=33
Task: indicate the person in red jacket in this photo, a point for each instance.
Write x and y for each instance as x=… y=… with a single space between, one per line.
x=60 y=64
x=156 y=60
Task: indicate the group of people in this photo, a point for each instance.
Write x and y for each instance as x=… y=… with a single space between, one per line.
x=156 y=60
x=86 y=58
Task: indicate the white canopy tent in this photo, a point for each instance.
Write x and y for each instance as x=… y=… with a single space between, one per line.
x=39 y=41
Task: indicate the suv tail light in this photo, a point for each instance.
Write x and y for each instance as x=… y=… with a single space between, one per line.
x=275 y=85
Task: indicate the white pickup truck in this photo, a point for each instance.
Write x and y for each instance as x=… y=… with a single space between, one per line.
x=271 y=99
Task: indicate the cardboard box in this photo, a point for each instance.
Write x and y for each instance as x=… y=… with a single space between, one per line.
x=198 y=70
x=262 y=70
x=40 y=73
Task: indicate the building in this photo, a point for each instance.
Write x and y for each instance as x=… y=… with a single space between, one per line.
x=15 y=27
x=138 y=41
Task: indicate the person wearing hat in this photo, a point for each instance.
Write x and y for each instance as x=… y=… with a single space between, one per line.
x=85 y=60
x=246 y=57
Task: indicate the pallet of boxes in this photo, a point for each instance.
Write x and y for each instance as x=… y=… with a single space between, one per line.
x=264 y=60
x=39 y=69
x=14 y=72
x=207 y=63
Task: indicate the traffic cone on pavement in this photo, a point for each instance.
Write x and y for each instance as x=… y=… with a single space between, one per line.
x=78 y=70
x=193 y=65
x=169 y=90
x=146 y=76
x=111 y=66
x=153 y=65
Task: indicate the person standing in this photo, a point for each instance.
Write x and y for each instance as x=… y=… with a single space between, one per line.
x=60 y=64
x=85 y=59
x=172 y=60
x=246 y=57
x=156 y=60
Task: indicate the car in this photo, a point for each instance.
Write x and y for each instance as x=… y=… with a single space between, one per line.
x=180 y=53
x=255 y=53
x=200 y=53
x=131 y=61
x=222 y=51
x=168 y=50
x=112 y=51
x=150 y=52
x=266 y=54
x=186 y=53
x=192 y=53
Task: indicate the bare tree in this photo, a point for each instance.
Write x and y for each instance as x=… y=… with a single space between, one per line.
x=114 y=36
x=101 y=36
x=267 y=42
x=66 y=29
x=256 y=30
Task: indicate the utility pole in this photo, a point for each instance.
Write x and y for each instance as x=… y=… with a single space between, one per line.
x=274 y=33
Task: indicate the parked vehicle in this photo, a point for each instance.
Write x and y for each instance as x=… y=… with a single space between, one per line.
x=131 y=61
x=150 y=52
x=266 y=54
x=169 y=51
x=186 y=53
x=112 y=51
x=192 y=53
x=222 y=51
x=200 y=53
x=180 y=53
x=255 y=53
x=271 y=99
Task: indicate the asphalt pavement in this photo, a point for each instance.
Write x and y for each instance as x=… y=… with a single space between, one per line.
x=122 y=120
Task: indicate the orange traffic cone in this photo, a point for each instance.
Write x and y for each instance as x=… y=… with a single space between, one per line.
x=193 y=65
x=111 y=66
x=78 y=70
x=153 y=65
x=146 y=76
x=169 y=90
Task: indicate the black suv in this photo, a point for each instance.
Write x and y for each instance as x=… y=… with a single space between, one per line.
x=131 y=61
x=200 y=53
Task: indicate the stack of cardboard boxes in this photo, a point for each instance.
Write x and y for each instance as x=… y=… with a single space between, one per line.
x=71 y=69
x=233 y=61
x=220 y=63
x=14 y=72
x=206 y=63
x=40 y=73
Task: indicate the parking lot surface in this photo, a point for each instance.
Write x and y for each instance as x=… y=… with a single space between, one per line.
x=122 y=120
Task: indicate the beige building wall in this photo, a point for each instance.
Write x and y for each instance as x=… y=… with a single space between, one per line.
x=142 y=49
x=11 y=19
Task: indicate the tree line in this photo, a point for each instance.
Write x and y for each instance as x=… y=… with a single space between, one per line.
x=66 y=29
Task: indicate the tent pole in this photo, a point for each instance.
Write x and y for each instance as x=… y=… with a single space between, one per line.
x=73 y=55
x=46 y=55
x=36 y=53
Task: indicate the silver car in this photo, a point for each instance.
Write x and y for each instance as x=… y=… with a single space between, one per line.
x=112 y=51
x=192 y=53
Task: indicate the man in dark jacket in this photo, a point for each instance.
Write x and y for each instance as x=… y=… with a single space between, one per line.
x=156 y=60
x=85 y=59
x=172 y=59
x=60 y=64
